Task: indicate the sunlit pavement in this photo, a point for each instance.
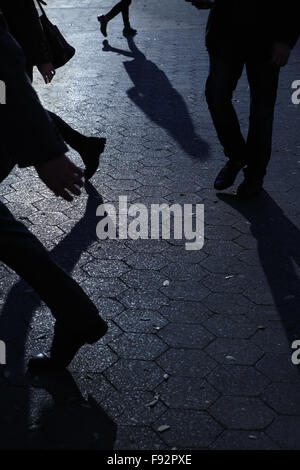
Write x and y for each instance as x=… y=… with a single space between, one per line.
x=200 y=361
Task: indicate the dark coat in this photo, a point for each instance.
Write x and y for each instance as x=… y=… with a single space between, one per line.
x=24 y=24
x=258 y=23
x=28 y=136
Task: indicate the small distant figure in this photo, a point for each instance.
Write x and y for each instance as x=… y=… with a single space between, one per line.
x=120 y=7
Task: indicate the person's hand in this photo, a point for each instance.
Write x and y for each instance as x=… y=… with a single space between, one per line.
x=280 y=54
x=62 y=177
x=47 y=71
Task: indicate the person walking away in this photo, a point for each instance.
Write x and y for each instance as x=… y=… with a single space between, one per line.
x=120 y=7
x=29 y=138
x=259 y=36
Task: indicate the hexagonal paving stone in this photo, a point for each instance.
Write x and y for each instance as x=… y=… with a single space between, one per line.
x=250 y=257
x=134 y=375
x=222 y=265
x=230 y=326
x=175 y=253
x=108 y=308
x=184 y=272
x=234 y=351
x=284 y=398
x=143 y=279
x=222 y=248
x=233 y=304
x=134 y=407
x=122 y=185
x=104 y=268
x=188 y=429
x=279 y=368
x=188 y=290
x=137 y=438
x=144 y=321
x=113 y=332
x=93 y=384
x=238 y=380
x=185 y=312
x=272 y=340
x=146 y=261
x=242 y=413
x=157 y=191
x=28 y=196
x=260 y=295
x=105 y=287
x=138 y=346
x=221 y=232
x=147 y=246
x=111 y=249
x=285 y=431
x=185 y=336
x=183 y=393
x=231 y=283
x=140 y=299
x=243 y=440
x=94 y=358
x=186 y=363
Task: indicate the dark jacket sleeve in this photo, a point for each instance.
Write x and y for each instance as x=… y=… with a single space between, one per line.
x=28 y=136
x=287 y=23
x=24 y=24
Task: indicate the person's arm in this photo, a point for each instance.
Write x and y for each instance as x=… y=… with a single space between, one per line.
x=287 y=31
x=25 y=25
x=28 y=136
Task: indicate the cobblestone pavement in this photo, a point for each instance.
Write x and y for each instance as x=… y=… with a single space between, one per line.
x=207 y=354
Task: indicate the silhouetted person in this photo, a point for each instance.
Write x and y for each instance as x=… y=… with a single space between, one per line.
x=24 y=24
x=120 y=7
x=260 y=36
x=30 y=139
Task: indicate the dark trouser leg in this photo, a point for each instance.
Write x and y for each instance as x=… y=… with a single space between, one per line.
x=125 y=13
x=73 y=138
x=263 y=81
x=22 y=251
x=225 y=71
x=70 y=136
x=120 y=7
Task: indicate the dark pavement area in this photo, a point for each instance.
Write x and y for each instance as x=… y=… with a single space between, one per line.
x=208 y=354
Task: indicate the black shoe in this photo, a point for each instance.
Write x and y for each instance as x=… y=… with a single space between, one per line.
x=250 y=187
x=90 y=153
x=128 y=31
x=227 y=175
x=64 y=347
x=103 y=25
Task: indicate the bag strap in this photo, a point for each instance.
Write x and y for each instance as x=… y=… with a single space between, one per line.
x=40 y=3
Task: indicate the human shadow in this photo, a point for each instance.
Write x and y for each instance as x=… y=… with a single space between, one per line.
x=69 y=421
x=154 y=94
x=278 y=246
x=15 y=318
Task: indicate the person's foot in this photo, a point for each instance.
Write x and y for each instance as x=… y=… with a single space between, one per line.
x=250 y=187
x=226 y=177
x=103 y=24
x=64 y=347
x=129 y=31
x=90 y=152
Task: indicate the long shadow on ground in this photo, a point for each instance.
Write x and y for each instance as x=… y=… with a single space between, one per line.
x=67 y=421
x=154 y=94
